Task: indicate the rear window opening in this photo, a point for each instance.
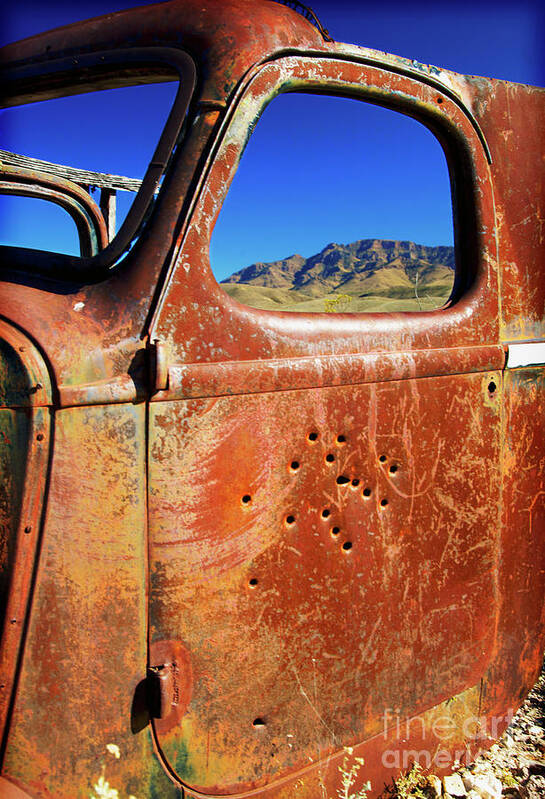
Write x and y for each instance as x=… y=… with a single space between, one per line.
x=102 y=141
x=95 y=135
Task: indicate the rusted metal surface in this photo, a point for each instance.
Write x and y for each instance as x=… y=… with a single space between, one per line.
x=316 y=582
x=254 y=377
x=193 y=300
x=25 y=441
x=513 y=118
x=257 y=538
x=85 y=651
x=521 y=568
x=10 y=791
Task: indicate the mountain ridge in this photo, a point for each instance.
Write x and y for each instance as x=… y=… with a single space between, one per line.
x=363 y=269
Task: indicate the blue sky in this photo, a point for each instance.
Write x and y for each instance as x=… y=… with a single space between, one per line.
x=498 y=38
x=317 y=169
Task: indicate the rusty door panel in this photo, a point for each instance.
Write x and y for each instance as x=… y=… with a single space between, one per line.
x=85 y=651
x=319 y=572
x=25 y=441
x=521 y=575
x=253 y=607
x=14 y=435
x=513 y=118
x=194 y=380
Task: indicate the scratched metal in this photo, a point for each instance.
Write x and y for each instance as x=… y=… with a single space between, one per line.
x=108 y=320
x=513 y=118
x=435 y=609
x=521 y=565
x=25 y=440
x=14 y=435
x=322 y=571
x=85 y=649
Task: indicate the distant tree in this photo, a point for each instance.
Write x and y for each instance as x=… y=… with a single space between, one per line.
x=338 y=304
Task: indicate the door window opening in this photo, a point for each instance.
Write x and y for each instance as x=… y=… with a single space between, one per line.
x=338 y=206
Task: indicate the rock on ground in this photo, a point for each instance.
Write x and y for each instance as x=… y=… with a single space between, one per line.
x=513 y=768
x=515 y=764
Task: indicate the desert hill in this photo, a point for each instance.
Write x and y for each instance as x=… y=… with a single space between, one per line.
x=367 y=275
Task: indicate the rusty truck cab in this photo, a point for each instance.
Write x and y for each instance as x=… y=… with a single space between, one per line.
x=242 y=547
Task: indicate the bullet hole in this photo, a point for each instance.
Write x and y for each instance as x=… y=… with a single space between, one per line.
x=347 y=546
x=366 y=492
x=290 y=520
x=259 y=722
x=355 y=482
x=384 y=502
x=393 y=468
x=492 y=387
x=253 y=581
x=439 y=99
x=330 y=457
x=40 y=437
x=246 y=499
x=325 y=513
x=28 y=529
x=342 y=480
x=341 y=439
x=313 y=436
x=335 y=530
x=383 y=459
x=294 y=465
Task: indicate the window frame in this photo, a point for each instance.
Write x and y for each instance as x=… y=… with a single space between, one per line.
x=471 y=319
x=460 y=158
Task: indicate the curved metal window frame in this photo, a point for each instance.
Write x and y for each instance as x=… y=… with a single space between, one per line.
x=457 y=148
x=85 y=213
x=469 y=318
